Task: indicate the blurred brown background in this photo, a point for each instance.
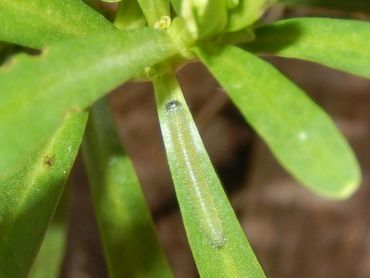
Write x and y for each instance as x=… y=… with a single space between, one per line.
x=293 y=232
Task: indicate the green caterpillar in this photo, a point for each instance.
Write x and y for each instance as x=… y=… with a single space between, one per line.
x=184 y=140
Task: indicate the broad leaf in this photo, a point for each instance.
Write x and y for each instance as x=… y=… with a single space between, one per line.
x=31 y=23
x=218 y=243
x=346 y=5
x=299 y=133
x=125 y=224
x=340 y=44
x=67 y=77
x=28 y=199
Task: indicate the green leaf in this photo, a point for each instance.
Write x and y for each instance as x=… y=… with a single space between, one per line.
x=336 y=43
x=26 y=24
x=245 y=13
x=217 y=241
x=28 y=198
x=50 y=257
x=302 y=137
x=68 y=76
x=31 y=23
x=346 y=5
x=200 y=18
x=125 y=224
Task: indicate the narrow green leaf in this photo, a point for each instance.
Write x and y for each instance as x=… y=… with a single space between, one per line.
x=66 y=78
x=30 y=23
x=346 y=5
x=125 y=224
x=28 y=199
x=50 y=257
x=299 y=133
x=336 y=43
x=217 y=241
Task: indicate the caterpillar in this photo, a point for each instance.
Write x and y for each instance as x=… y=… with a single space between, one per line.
x=185 y=141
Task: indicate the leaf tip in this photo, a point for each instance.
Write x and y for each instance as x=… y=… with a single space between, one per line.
x=348 y=188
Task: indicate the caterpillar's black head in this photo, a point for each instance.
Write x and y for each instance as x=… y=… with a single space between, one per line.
x=173 y=105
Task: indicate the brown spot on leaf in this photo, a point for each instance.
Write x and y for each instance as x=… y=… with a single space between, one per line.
x=48 y=161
